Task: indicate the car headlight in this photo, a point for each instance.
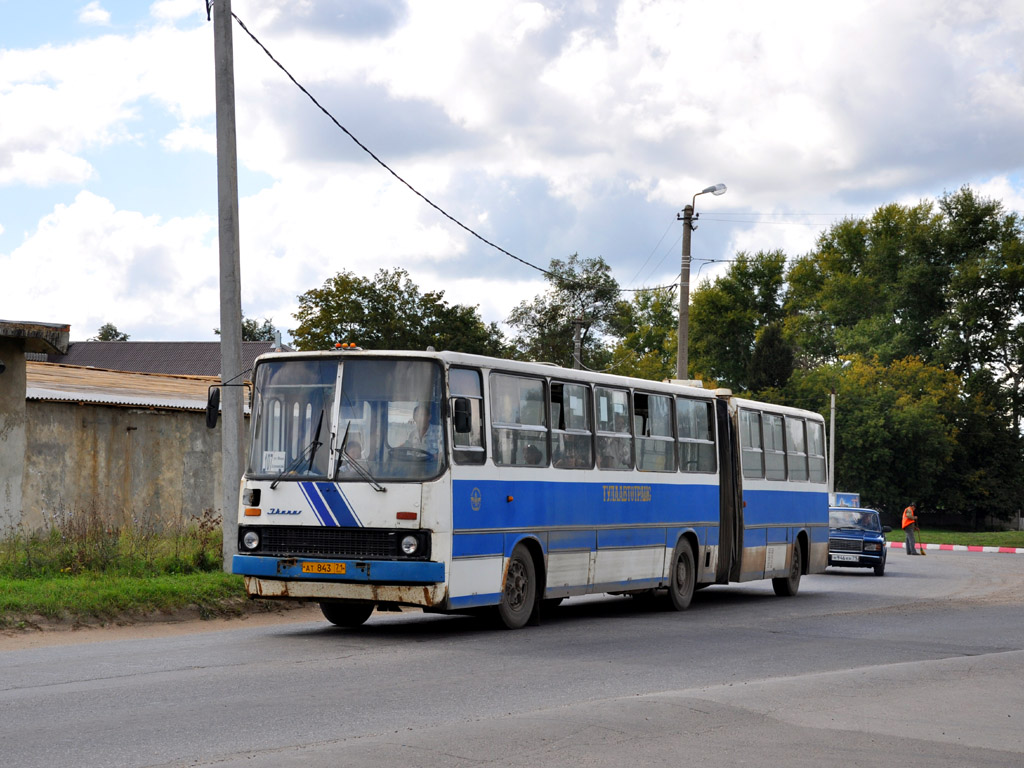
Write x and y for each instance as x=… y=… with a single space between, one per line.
x=872 y=547
x=410 y=544
x=251 y=540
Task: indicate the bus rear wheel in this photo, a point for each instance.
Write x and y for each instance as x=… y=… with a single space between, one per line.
x=346 y=614
x=683 y=577
x=787 y=586
x=520 y=591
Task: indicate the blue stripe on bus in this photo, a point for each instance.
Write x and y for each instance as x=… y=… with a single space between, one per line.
x=558 y=540
x=362 y=571
x=782 y=506
x=474 y=544
x=631 y=537
x=339 y=508
x=314 y=500
x=483 y=504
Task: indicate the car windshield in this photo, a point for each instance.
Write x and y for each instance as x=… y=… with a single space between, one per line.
x=860 y=519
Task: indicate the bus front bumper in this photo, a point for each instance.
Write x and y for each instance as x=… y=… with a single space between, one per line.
x=379 y=581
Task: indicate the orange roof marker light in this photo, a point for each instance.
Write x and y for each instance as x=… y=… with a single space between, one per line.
x=348 y=345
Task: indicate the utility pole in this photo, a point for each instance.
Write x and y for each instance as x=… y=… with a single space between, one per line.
x=682 y=349
x=230 y=280
x=577 y=349
x=687 y=217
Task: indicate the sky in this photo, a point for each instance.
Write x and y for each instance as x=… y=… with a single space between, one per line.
x=550 y=128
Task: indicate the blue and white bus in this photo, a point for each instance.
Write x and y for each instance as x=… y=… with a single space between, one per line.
x=457 y=482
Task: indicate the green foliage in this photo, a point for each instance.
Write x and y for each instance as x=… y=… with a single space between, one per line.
x=389 y=312
x=580 y=291
x=726 y=316
x=90 y=596
x=896 y=427
x=255 y=330
x=646 y=327
x=771 y=363
x=88 y=542
x=109 y=332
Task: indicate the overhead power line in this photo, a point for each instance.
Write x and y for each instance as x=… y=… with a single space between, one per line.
x=410 y=187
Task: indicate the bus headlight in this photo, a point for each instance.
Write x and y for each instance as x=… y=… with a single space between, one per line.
x=251 y=540
x=410 y=544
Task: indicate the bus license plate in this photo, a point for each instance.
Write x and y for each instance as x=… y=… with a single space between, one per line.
x=846 y=558
x=333 y=568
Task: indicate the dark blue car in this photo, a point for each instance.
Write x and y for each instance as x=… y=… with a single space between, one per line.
x=856 y=539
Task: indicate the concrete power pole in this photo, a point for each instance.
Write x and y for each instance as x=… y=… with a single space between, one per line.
x=230 y=280
x=683 y=351
x=577 y=351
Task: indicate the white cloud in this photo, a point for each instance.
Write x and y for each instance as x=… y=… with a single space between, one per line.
x=173 y=10
x=88 y=263
x=94 y=13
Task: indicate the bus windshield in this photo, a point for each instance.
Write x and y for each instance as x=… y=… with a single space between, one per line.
x=294 y=402
x=390 y=420
x=386 y=420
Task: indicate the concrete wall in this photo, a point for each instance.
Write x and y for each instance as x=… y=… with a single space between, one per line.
x=12 y=431
x=152 y=467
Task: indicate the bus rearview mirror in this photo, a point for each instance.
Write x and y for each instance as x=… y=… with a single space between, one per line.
x=212 y=407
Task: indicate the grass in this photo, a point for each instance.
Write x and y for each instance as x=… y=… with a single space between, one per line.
x=90 y=598
x=979 y=539
x=81 y=567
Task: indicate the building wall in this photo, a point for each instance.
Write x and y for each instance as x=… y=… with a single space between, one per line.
x=151 y=467
x=12 y=432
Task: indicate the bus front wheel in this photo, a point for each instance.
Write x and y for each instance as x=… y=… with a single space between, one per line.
x=346 y=614
x=520 y=589
x=683 y=577
x=787 y=586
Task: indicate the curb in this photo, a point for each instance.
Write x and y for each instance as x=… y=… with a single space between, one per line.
x=959 y=548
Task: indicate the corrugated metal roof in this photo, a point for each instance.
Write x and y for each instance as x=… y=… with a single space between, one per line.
x=190 y=358
x=75 y=384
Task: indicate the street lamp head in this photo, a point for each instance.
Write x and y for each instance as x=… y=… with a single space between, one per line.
x=717 y=189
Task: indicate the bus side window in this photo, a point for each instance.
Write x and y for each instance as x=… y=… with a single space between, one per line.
x=695 y=425
x=774 y=447
x=614 y=440
x=519 y=434
x=816 y=451
x=572 y=440
x=797 y=449
x=750 y=444
x=468 y=447
x=655 y=442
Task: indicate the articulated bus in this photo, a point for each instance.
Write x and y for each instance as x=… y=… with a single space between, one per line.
x=459 y=483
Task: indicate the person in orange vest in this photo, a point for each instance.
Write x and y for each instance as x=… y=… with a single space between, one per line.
x=909 y=524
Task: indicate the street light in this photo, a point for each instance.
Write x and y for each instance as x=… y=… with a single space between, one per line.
x=687 y=217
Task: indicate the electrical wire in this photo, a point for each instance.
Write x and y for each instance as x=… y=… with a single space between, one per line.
x=559 y=279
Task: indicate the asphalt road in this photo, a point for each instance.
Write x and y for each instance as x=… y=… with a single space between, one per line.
x=924 y=666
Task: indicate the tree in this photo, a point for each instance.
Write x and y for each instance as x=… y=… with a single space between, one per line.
x=109 y=332
x=727 y=314
x=646 y=327
x=771 y=362
x=580 y=291
x=896 y=427
x=255 y=330
x=389 y=312
x=983 y=326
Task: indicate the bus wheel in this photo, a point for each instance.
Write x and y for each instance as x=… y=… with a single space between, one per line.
x=346 y=614
x=787 y=586
x=684 y=577
x=520 y=589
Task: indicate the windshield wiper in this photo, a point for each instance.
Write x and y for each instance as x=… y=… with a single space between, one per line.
x=362 y=471
x=310 y=449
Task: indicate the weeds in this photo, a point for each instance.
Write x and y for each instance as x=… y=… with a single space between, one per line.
x=77 y=542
